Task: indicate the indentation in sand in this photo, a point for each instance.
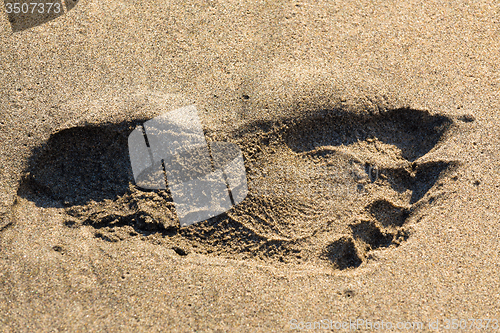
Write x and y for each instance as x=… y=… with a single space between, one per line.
x=329 y=188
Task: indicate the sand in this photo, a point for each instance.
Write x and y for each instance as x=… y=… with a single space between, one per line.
x=370 y=135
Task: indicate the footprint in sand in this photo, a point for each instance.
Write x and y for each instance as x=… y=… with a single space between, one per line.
x=324 y=189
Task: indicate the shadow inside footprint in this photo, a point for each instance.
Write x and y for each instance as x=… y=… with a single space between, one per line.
x=370 y=234
x=419 y=181
x=427 y=174
x=343 y=253
x=414 y=132
x=387 y=214
x=83 y=164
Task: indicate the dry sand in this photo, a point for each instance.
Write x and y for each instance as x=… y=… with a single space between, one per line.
x=370 y=133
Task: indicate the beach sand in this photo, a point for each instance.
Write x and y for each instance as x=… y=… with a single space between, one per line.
x=370 y=135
